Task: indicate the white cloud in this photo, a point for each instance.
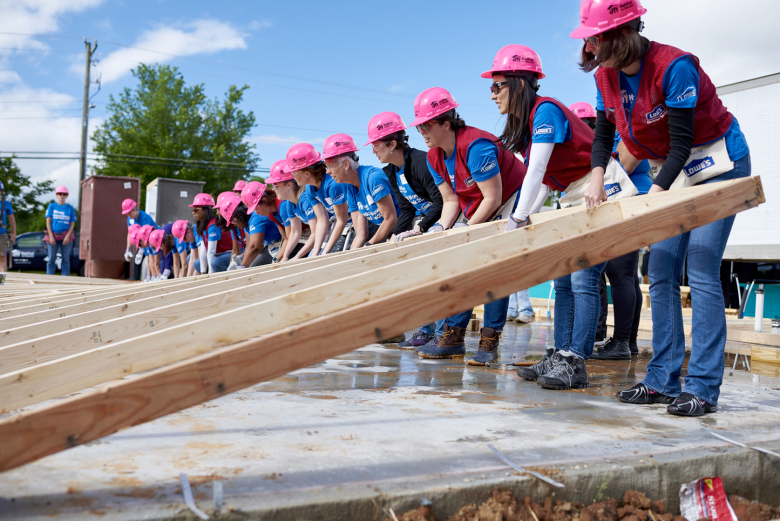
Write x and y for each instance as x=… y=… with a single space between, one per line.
x=254 y=25
x=9 y=77
x=273 y=139
x=735 y=41
x=198 y=37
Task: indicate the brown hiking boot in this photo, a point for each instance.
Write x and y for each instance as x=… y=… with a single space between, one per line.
x=450 y=345
x=394 y=340
x=488 y=347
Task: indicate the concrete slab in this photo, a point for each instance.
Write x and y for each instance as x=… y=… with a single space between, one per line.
x=378 y=420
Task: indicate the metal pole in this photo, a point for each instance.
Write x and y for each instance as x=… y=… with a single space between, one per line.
x=85 y=118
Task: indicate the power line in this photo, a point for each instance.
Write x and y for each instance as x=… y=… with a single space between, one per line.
x=156 y=158
x=39 y=50
x=51 y=101
x=170 y=165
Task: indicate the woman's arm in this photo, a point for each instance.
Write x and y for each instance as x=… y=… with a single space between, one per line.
x=321 y=231
x=491 y=199
x=254 y=245
x=310 y=241
x=603 y=141
x=681 y=124
x=294 y=233
x=236 y=249
x=450 y=206
x=532 y=183
x=628 y=161
x=341 y=221
x=389 y=219
x=176 y=265
x=69 y=235
x=360 y=225
x=51 y=233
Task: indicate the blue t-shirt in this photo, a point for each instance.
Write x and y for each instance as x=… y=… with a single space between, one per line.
x=143 y=219
x=681 y=89
x=166 y=263
x=261 y=224
x=198 y=241
x=214 y=233
x=329 y=193
x=6 y=209
x=374 y=186
x=550 y=124
x=641 y=175
x=181 y=246
x=304 y=210
x=61 y=216
x=286 y=212
x=481 y=159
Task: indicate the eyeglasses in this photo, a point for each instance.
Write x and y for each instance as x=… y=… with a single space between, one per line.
x=497 y=86
x=426 y=126
x=595 y=41
x=330 y=167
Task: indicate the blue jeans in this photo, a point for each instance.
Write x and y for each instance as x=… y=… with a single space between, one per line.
x=434 y=327
x=495 y=315
x=520 y=304
x=221 y=261
x=704 y=247
x=65 y=251
x=577 y=309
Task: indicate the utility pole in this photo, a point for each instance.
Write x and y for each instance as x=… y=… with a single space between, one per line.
x=85 y=116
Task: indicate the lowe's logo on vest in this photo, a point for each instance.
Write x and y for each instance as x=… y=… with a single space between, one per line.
x=612 y=189
x=544 y=129
x=697 y=165
x=469 y=181
x=657 y=114
x=690 y=92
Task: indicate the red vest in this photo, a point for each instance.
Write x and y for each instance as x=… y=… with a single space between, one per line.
x=570 y=160
x=470 y=196
x=274 y=216
x=646 y=135
x=225 y=242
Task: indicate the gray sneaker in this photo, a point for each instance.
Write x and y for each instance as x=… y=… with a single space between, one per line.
x=540 y=368
x=568 y=372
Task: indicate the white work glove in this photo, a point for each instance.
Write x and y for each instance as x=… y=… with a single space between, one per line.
x=235 y=261
x=436 y=228
x=459 y=225
x=240 y=267
x=164 y=275
x=147 y=278
x=514 y=224
x=139 y=256
x=405 y=235
x=129 y=254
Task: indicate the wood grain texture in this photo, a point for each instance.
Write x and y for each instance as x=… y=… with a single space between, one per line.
x=768 y=355
x=48 y=429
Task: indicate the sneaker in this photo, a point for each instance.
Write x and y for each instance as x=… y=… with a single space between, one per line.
x=599 y=342
x=568 y=372
x=524 y=319
x=689 y=405
x=488 y=347
x=633 y=347
x=451 y=344
x=642 y=394
x=419 y=338
x=613 y=350
x=394 y=340
x=540 y=368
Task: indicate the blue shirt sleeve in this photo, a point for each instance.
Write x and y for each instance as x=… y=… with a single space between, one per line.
x=257 y=224
x=550 y=125
x=351 y=202
x=9 y=209
x=49 y=210
x=681 y=83
x=438 y=179
x=378 y=185
x=599 y=99
x=482 y=159
x=336 y=193
x=214 y=233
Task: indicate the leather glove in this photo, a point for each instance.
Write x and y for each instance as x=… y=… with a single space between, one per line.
x=436 y=228
x=411 y=233
x=514 y=224
x=129 y=254
x=139 y=256
x=459 y=225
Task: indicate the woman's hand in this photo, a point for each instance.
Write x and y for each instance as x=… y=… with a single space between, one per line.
x=67 y=239
x=595 y=194
x=514 y=224
x=655 y=189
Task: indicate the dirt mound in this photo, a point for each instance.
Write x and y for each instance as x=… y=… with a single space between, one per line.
x=504 y=506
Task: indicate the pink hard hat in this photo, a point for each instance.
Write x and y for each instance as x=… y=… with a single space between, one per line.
x=133 y=227
x=431 y=103
x=179 y=229
x=251 y=195
x=156 y=238
x=383 y=125
x=516 y=58
x=599 y=16
x=338 y=144
x=145 y=231
x=203 y=200
x=62 y=189
x=300 y=156
x=583 y=109
x=127 y=206
x=134 y=234
x=227 y=204
x=279 y=172
x=240 y=184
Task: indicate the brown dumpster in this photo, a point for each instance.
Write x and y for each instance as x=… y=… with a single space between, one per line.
x=103 y=227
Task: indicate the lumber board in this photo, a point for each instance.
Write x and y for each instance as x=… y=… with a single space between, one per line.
x=765 y=369
x=733 y=335
x=48 y=429
x=38 y=343
x=768 y=355
x=59 y=279
x=199 y=331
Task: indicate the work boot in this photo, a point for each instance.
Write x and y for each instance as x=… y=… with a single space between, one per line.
x=632 y=346
x=394 y=340
x=540 y=368
x=419 y=338
x=689 y=405
x=568 y=372
x=450 y=345
x=613 y=350
x=488 y=347
x=643 y=395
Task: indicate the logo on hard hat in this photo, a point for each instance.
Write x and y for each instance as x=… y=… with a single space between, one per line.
x=342 y=143
x=297 y=159
x=522 y=59
x=384 y=125
x=626 y=5
x=612 y=9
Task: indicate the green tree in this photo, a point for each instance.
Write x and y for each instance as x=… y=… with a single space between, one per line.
x=165 y=118
x=24 y=196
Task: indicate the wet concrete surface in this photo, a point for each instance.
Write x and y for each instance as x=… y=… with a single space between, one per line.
x=374 y=418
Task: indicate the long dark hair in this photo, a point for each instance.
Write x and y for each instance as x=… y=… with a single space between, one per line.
x=167 y=244
x=522 y=97
x=317 y=170
x=624 y=43
x=241 y=216
x=206 y=219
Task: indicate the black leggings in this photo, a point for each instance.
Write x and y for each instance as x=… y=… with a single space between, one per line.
x=626 y=295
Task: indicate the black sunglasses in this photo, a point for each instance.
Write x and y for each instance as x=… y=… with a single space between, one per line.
x=426 y=126
x=497 y=86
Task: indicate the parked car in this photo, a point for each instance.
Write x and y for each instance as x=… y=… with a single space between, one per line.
x=28 y=252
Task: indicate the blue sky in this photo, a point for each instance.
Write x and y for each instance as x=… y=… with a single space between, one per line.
x=313 y=67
